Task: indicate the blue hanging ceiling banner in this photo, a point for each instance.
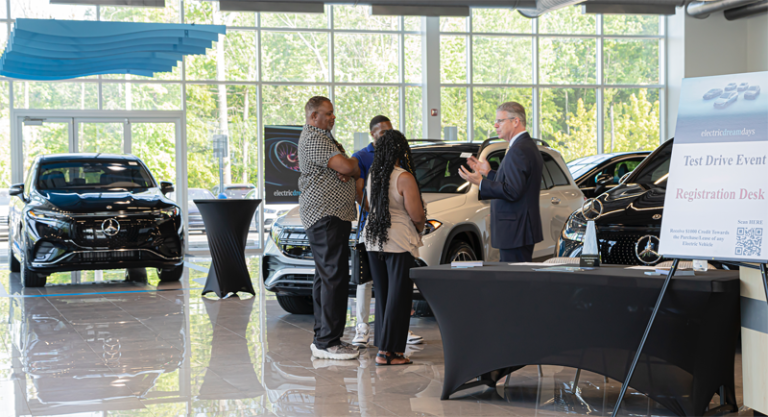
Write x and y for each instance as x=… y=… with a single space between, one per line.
x=63 y=49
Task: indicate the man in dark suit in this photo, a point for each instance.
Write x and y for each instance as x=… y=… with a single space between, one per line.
x=513 y=188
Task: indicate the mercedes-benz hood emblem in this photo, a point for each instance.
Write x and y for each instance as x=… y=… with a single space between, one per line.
x=647 y=249
x=592 y=209
x=110 y=227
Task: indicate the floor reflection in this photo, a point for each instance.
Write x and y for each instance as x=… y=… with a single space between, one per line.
x=111 y=347
x=228 y=375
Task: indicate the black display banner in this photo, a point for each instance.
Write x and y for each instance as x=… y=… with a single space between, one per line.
x=281 y=147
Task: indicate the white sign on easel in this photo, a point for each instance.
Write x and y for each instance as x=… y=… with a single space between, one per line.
x=716 y=203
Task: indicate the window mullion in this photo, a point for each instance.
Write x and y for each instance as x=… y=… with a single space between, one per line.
x=600 y=81
x=535 y=91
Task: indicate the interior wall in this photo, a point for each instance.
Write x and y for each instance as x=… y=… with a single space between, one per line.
x=757 y=43
x=709 y=47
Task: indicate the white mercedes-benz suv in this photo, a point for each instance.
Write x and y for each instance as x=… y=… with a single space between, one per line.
x=458 y=225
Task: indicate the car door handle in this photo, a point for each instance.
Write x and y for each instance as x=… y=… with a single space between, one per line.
x=555 y=200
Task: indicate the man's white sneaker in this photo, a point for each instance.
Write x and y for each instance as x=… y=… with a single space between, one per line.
x=339 y=352
x=362 y=335
x=414 y=339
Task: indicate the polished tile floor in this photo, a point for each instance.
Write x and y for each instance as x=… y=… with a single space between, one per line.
x=106 y=347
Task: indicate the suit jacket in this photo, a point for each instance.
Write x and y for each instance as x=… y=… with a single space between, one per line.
x=514 y=191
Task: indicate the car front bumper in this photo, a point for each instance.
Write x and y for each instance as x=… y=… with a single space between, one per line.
x=285 y=275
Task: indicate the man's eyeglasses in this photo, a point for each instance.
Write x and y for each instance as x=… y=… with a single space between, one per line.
x=500 y=121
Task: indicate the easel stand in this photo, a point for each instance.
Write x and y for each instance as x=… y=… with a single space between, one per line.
x=636 y=359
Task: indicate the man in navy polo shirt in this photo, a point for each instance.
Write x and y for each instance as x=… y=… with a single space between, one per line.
x=378 y=126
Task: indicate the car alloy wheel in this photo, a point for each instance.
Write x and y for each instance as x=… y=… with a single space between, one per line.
x=461 y=251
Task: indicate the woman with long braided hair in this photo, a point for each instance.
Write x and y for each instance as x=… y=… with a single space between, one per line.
x=396 y=217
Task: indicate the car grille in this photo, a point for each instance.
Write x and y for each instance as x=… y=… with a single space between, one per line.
x=110 y=256
x=619 y=248
x=295 y=244
x=133 y=233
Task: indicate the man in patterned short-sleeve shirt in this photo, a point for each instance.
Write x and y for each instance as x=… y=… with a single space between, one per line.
x=327 y=208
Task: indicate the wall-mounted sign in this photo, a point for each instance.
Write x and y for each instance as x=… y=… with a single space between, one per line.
x=281 y=147
x=715 y=205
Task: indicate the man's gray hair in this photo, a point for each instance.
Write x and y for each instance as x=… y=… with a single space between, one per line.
x=313 y=104
x=515 y=109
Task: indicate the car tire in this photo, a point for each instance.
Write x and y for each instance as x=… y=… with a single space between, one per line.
x=422 y=309
x=32 y=279
x=136 y=275
x=296 y=304
x=460 y=251
x=13 y=264
x=170 y=274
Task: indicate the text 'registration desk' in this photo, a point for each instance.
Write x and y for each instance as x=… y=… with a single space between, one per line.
x=498 y=318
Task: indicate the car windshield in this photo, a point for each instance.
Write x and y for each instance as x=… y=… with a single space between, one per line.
x=237 y=191
x=93 y=175
x=655 y=169
x=581 y=166
x=438 y=171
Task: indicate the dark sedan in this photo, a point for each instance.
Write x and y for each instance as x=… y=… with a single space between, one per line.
x=599 y=173
x=93 y=212
x=631 y=219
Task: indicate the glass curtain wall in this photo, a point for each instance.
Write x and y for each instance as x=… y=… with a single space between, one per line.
x=261 y=73
x=591 y=83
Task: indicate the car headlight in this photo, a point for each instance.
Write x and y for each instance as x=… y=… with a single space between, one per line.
x=431 y=226
x=277 y=228
x=575 y=227
x=47 y=216
x=269 y=211
x=171 y=212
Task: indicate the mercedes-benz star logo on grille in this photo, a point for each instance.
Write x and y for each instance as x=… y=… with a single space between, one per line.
x=110 y=227
x=647 y=249
x=592 y=209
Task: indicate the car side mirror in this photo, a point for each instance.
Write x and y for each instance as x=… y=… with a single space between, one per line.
x=166 y=187
x=604 y=179
x=16 y=189
x=624 y=177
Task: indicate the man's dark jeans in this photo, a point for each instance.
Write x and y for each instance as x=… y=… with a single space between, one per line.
x=329 y=240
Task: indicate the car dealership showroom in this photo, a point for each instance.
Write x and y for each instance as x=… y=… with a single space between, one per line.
x=383 y=208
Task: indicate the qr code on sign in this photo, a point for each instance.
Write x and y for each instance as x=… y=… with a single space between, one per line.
x=749 y=241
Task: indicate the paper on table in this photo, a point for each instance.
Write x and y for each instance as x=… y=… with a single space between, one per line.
x=652 y=268
x=466 y=264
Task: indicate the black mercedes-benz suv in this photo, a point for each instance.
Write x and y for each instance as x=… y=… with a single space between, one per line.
x=629 y=227
x=92 y=212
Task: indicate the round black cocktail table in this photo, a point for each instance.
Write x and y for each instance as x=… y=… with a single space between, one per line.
x=226 y=225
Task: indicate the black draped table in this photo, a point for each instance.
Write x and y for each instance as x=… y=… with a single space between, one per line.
x=226 y=225
x=498 y=318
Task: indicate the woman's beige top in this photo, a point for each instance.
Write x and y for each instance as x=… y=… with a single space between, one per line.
x=403 y=236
